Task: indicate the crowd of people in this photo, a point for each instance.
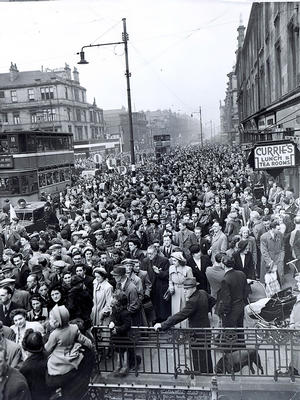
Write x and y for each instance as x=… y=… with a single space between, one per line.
x=178 y=244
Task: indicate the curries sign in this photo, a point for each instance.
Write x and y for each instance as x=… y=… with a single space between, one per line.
x=274 y=155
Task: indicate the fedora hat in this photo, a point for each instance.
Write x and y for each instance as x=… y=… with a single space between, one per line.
x=36 y=269
x=7 y=282
x=33 y=342
x=118 y=270
x=242 y=244
x=189 y=283
x=128 y=261
x=152 y=221
x=8 y=268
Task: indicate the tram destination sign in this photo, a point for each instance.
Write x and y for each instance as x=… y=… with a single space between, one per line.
x=6 y=161
x=274 y=155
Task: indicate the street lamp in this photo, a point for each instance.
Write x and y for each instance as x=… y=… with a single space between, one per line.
x=124 y=41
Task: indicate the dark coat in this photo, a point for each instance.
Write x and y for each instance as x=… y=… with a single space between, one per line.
x=21 y=276
x=134 y=302
x=160 y=284
x=136 y=255
x=200 y=275
x=248 y=268
x=80 y=304
x=232 y=298
x=34 y=369
x=14 y=386
x=6 y=319
x=195 y=310
x=220 y=218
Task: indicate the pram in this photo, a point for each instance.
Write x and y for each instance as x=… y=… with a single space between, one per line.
x=270 y=312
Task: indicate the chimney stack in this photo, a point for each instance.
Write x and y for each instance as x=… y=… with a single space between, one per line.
x=13 y=72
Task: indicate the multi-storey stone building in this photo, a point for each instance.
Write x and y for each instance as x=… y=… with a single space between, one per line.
x=229 y=116
x=51 y=100
x=268 y=70
x=268 y=78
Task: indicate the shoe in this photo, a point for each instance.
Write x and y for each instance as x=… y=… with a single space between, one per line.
x=124 y=371
x=116 y=372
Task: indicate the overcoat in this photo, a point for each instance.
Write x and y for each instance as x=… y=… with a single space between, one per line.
x=272 y=252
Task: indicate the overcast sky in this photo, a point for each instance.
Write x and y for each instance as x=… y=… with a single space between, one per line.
x=180 y=51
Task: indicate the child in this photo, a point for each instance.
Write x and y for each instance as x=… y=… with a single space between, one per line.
x=120 y=326
x=64 y=348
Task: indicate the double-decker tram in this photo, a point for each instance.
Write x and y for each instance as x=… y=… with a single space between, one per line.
x=34 y=163
x=162 y=145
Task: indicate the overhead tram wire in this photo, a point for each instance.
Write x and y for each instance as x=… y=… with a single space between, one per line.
x=167 y=87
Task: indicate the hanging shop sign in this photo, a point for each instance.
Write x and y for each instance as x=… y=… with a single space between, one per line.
x=274 y=155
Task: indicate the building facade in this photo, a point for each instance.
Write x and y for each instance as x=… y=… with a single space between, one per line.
x=268 y=70
x=268 y=78
x=50 y=100
x=117 y=128
x=229 y=116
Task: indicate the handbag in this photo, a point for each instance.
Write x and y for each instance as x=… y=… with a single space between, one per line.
x=167 y=295
x=272 y=284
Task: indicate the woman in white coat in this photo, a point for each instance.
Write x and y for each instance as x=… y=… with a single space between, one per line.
x=178 y=272
x=102 y=297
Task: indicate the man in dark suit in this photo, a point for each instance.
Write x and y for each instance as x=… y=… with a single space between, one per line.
x=243 y=260
x=199 y=262
x=157 y=267
x=232 y=296
x=196 y=311
x=219 y=214
x=6 y=305
x=204 y=243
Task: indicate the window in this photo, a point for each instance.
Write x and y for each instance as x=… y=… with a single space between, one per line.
x=30 y=94
x=33 y=118
x=69 y=114
x=66 y=92
x=82 y=96
x=268 y=83
x=79 y=132
x=70 y=128
x=2 y=94
x=49 y=114
x=78 y=114
x=84 y=115
x=76 y=94
x=16 y=118
x=4 y=118
x=86 y=132
x=293 y=56
x=91 y=116
x=47 y=93
x=278 y=71
x=13 y=95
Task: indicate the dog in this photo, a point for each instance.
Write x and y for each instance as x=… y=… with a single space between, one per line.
x=234 y=361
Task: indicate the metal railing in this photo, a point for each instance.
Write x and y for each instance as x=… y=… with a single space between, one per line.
x=233 y=352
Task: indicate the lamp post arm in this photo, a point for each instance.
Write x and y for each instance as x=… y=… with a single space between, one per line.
x=100 y=44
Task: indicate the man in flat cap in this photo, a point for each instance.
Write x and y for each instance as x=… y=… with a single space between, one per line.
x=196 y=311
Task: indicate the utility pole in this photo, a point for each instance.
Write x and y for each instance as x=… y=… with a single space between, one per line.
x=124 y=41
x=201 y=133
x=127 y=73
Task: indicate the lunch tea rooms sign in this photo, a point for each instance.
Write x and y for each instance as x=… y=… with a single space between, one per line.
x=274 y=155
